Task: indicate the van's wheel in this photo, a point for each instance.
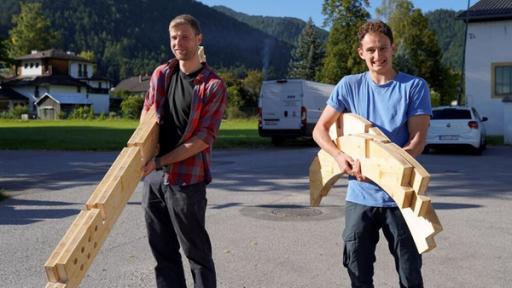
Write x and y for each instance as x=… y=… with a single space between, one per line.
x=278 y=141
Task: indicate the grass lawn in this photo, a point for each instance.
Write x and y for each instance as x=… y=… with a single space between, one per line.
x=104 y=135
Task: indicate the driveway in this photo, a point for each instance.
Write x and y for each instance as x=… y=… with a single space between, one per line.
x=263 y=233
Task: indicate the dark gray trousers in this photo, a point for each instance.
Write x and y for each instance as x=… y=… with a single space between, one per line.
x=361 y=234
x=175 y=217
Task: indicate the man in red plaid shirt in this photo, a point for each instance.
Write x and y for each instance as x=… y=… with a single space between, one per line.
x=190 y=100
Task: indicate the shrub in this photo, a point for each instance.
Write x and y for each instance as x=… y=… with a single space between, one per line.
x=112 y=115
x=82 y=112
x=15 y=112
x=132 y=106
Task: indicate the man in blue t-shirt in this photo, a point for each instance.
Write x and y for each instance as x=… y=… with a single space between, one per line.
x=399 y=105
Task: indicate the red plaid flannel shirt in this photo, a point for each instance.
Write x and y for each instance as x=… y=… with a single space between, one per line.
x=205 y=117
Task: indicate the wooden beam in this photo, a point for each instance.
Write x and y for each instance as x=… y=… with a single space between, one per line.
x=354 y=124
x=146 y=136
x=322 y=178
x=386 y=164
x=78 y=249
x=70 y=260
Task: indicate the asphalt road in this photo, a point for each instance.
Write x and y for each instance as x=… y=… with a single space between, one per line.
x=263 y=233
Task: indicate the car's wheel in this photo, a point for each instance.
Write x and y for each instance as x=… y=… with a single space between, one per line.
x=481 y=148
x=484 y=145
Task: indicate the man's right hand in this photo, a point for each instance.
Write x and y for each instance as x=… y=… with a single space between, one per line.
x=349 y=166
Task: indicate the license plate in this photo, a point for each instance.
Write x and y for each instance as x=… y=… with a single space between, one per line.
x=448 y=137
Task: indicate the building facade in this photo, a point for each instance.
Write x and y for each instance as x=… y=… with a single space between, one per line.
x=63 y=77
x=488 y=61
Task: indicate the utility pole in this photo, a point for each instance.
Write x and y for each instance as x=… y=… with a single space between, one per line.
x=463 y=73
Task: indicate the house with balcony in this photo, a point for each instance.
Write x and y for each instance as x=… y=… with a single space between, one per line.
x=55 y=82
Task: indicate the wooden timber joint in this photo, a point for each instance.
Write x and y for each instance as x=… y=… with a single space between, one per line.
x=386 y=164
x=70 y=260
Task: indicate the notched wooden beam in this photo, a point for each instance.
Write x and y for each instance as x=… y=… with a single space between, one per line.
x=386 y=164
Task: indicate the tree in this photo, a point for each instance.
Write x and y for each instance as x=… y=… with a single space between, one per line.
x=307 y=56
x=31 y=31
x=387 y=8
x=418 y=51
x=87 y=54
x=3 y=51
x=252 y=84
x=450 y=34
x=345 y=17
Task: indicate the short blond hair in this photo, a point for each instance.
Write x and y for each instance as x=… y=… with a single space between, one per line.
x=188 y=20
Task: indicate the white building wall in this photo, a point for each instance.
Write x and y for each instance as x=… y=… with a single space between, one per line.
x=507 y=133
x=70 y=91
x=33 y=68
x=100 y=103
x=28 y=91
x=487 y=43
x=96 y=84
x=73 y=69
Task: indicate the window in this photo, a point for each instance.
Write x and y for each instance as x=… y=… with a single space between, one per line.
x=99 y=85
x=85 y=70
x=502 y=79
x=78 y=89
x=79 y=70
x=450 y=114
x=37 y=65
x=26 y=65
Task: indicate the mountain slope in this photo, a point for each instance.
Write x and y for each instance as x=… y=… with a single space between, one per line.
x=130 y=37
x=286 y=29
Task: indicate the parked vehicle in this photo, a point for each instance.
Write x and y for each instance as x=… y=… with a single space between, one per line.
x=290 y=108
x=457 y=126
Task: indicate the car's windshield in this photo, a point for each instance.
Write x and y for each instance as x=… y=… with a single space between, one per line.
x=451 y=113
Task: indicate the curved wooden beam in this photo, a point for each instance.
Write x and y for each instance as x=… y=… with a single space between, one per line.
x=386 y=164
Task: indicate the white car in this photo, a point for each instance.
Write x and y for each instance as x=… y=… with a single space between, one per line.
x=456 y=126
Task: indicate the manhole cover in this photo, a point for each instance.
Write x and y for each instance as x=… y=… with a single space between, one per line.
x=296 y=212
x=292 y=212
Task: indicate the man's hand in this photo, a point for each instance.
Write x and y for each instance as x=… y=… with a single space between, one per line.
x=149 y=167
x=349 y=166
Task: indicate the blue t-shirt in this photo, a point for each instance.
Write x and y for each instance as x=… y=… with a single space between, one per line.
x=388 y=107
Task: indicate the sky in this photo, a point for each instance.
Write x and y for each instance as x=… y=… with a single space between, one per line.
x=313 y=8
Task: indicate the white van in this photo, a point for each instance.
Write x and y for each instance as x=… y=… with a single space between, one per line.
x=290 y=108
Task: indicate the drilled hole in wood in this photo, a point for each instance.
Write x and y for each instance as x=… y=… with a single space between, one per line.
x=82 y=267
x=90 y=239
x=82 y=250
x=88 y=255
x=75 y=261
